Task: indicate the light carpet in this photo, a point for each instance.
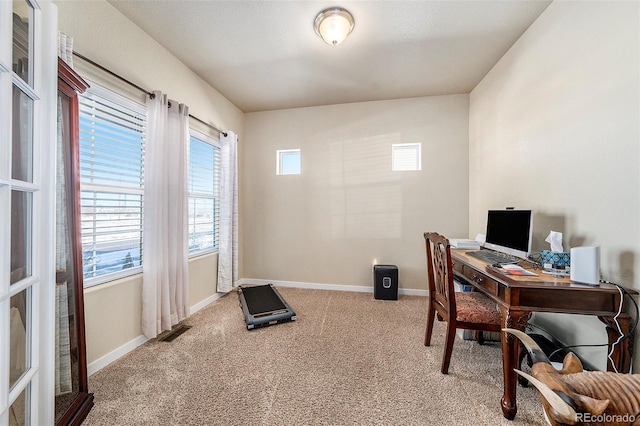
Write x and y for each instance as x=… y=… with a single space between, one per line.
x=348 y=360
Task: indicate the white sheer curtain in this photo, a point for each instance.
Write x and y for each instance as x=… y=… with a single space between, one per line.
x=165 y=283
x=228 y=247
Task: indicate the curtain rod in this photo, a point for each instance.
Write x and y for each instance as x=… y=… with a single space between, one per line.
x=108 y=71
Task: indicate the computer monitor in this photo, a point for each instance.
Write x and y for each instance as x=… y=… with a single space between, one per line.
x=510 y=231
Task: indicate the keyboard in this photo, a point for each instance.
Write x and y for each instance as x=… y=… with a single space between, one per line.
x=491 y=257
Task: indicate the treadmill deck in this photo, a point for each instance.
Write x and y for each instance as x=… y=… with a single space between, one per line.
x=263 y=306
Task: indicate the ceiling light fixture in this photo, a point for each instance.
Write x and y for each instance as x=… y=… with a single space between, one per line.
x=333 y=25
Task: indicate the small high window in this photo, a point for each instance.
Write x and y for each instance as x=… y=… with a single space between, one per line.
x=406 y=157
x=288 y=162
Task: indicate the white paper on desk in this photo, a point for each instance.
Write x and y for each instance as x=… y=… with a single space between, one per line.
x=516 y=270
x=555 y=239
x=461 y=243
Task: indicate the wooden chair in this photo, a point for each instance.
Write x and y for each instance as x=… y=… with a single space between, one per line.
x=465 y=310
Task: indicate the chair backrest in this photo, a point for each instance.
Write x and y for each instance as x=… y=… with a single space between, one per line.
x=440 y=274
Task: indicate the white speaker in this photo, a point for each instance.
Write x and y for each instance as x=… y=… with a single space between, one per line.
x=585 y=265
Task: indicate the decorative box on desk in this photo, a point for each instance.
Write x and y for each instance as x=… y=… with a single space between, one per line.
x=385 y=282
x=555 y=260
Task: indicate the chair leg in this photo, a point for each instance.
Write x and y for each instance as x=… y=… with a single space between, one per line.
x=430 y=317
x=448 y=347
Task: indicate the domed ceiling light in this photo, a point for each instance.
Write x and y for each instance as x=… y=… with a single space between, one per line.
x=333 y=25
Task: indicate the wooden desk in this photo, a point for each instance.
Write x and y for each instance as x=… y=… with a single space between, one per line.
x=518 y=296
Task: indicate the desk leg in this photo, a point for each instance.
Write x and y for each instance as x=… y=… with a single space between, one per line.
x=510 y=348
x=623 y=351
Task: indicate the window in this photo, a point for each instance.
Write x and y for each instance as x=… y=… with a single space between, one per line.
x=112 y=136
x=203 y=185
x=406 y=157
x=288 y=162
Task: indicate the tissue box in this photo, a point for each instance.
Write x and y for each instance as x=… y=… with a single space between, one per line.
x=554 y=259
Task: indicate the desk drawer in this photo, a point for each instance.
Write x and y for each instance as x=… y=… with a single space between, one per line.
x=479 y=279
x=457 y=267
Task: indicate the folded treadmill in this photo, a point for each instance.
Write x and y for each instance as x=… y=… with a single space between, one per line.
x=263 y=306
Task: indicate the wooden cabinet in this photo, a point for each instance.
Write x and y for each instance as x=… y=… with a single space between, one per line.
x=72 y=398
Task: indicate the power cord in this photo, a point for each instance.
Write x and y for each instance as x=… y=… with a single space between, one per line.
x=622 y=337
x=590 y=345
x=623 y=292
x=535 y=260
x=615 y=319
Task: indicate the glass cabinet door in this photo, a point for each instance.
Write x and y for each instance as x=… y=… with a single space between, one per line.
x=72 y=400
x=66 y=339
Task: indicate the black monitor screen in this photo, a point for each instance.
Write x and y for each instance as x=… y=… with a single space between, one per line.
x=510 y=229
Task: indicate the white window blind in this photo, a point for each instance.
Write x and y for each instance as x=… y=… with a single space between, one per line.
x=112 y=136
x=204 y=193
x=406 y=156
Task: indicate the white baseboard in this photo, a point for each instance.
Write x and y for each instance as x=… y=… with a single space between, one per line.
x=413 y=292
x=107 y=359
x=206 y=302
x=337 y=287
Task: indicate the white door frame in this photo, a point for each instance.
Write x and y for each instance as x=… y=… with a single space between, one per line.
x=39 y=376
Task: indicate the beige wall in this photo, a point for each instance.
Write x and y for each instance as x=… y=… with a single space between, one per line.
x=555 y=127
x=105 y=36
x=113 y=310
x=203 y=273
x=347 y=209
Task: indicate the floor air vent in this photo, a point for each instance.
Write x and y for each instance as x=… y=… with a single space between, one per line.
x=170 y=336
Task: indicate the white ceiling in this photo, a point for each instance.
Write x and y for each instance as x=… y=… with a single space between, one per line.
x=264 y=55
